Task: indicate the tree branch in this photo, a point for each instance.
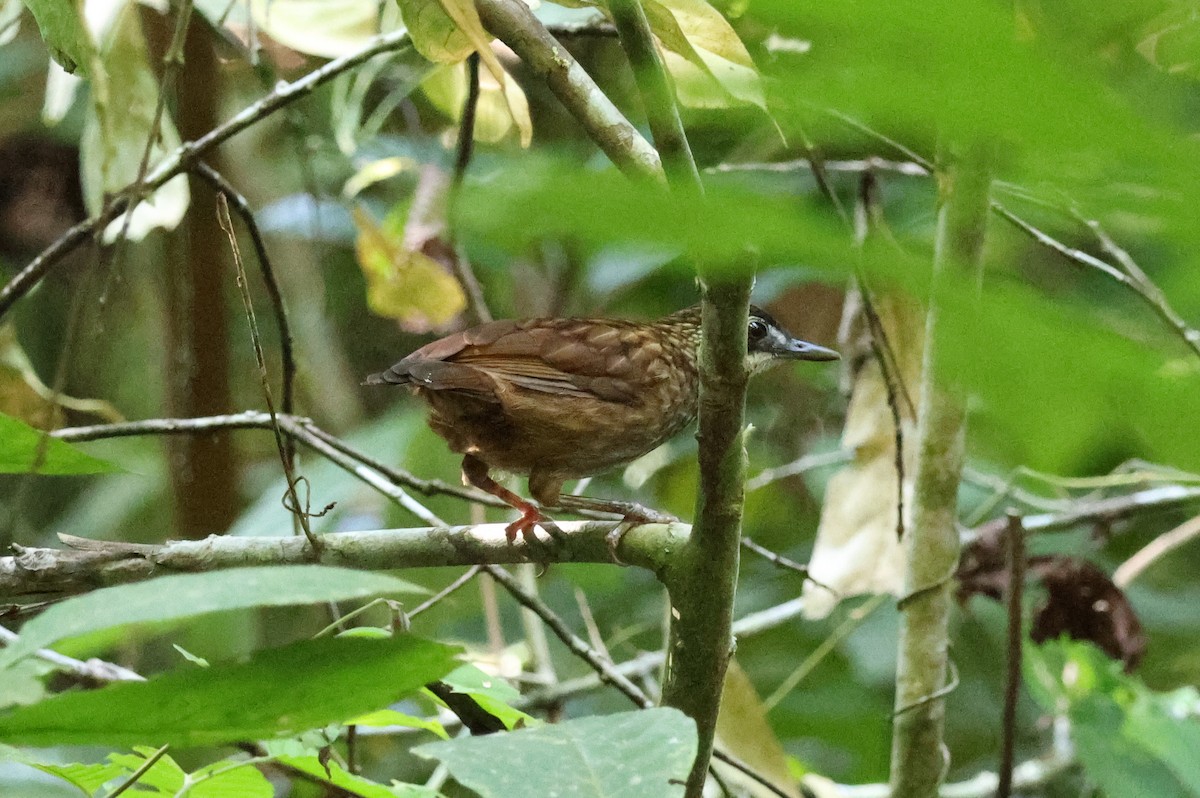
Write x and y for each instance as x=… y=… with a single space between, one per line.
x=87 y=564
x=702 y=575
x=185 y=156
x=512 y=22
x=658 y=95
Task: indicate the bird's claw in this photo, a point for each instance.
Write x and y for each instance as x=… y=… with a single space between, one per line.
x=635 y=515
x=531 y=518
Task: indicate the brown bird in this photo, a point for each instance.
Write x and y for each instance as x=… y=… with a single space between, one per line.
x=560 y=399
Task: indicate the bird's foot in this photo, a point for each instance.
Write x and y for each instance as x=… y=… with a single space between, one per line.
x=531 y=518
x=632 y=514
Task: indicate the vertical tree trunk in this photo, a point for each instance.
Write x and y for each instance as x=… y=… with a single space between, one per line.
x=918 y=750
x=703 y=577
x=204 y=468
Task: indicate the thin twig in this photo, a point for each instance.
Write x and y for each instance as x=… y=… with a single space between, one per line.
x=1161 y=546
x=1143 y=285
x=95 y=670
x=462 y=579
x=803 y=465
x=1015 y=538
x=881 y=346
x=300 y=511
x=172 y=66
x=855 y=619
x=141 y=771
x=464 y=151
x=287 y=361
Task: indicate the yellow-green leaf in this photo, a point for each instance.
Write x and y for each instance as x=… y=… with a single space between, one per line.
x=710 y=64
x=329 y=28
x=402 y=284
x=500 y=109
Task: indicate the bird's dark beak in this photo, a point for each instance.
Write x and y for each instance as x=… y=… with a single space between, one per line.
x=795 y=349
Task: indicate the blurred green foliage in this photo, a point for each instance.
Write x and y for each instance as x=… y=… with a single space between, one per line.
x=1092 y=107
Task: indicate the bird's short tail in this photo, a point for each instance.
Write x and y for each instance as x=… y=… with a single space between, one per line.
x=389 y=377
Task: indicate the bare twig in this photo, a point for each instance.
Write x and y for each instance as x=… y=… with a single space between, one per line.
x=1015 y=538
x=854 y=619
x=95 y=670
x=464 y=150
x=1161 y=546
x=462 y=579
x=300 y=511
x=803 y=465
x=287 y=359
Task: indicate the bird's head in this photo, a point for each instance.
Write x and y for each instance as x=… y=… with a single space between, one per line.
x=768 y=344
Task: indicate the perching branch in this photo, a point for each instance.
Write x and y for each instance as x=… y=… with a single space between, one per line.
x=932 y=544
x=87 y=564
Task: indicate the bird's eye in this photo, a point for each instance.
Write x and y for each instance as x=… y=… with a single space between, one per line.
x=757 y=329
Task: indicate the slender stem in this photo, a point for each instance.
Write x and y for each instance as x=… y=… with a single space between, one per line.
x=932 y=543
x=1015 y=538
x=282 y=442
x=658 y=94
x=287 y=358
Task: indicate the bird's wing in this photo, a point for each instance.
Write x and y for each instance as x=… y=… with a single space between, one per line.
x=568 y=358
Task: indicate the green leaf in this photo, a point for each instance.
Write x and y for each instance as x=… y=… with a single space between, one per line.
x=433 y=33
x=169 y=598
x=277 y=692
x=390 y=717
x=64 y=33
x=88 y=778
x=21 y=443
x=628 y=755
x=713 y=66
x=22 y=684
x=355 y=785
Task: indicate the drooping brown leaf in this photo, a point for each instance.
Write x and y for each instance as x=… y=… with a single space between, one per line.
x=1084 y=604
x=857 y=550
x=1081 y=601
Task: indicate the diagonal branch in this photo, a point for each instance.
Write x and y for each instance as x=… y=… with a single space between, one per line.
x=186 y=155
x=512 y=22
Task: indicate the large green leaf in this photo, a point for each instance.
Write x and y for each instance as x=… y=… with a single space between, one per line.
x=21 y=445
x=177 y=596
x=277 y=692
x=1131 y=741
x=628 y=755
x=61 y=24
